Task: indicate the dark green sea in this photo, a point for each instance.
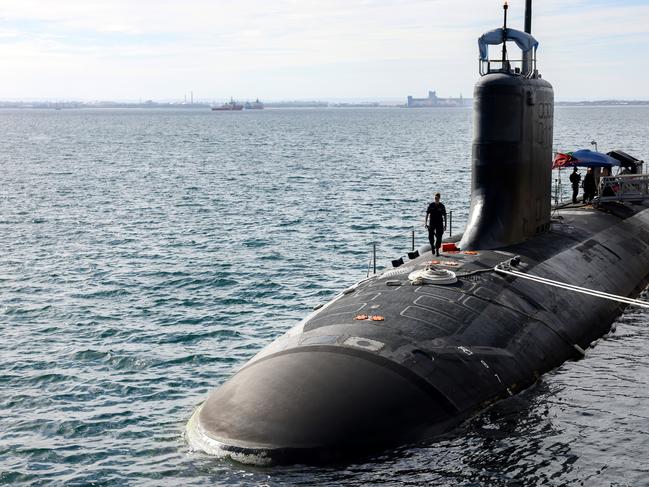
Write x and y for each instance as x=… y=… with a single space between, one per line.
x=146 y=254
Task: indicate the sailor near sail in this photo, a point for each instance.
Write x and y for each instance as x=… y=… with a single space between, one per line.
x=590 y=186
x=575 y=179
x=435 y=222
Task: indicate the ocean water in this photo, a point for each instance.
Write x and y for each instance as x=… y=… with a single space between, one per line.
x=145 y=255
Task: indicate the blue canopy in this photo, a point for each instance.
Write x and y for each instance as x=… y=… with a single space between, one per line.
x=494 y=37
x=589 y=158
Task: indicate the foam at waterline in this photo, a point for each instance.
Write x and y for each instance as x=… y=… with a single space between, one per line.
x=199 y=441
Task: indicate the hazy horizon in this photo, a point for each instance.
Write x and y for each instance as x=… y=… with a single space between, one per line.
x=386 y=100
x=313 y=50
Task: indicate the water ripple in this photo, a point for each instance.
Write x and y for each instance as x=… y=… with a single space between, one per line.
x=146 y=255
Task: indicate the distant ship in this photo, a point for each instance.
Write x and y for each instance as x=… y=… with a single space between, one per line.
x=255 y=105
x=228 y=107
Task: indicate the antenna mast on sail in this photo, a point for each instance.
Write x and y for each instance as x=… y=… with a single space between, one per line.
x=528 y=16
x=527 y=57
x=505 y=7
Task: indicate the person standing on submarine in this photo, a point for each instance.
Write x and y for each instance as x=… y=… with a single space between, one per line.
x=590 y=186
x=435 y=222
x=575 y=179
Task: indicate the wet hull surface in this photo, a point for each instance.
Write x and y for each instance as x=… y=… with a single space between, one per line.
x=336 y=386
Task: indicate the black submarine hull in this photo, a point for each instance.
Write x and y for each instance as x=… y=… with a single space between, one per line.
x=342 y=384
x=335 y=387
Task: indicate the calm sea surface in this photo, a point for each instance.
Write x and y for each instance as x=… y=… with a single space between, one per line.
x=145 y=255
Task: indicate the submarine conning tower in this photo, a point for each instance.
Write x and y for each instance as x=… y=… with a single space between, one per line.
x=512 y=144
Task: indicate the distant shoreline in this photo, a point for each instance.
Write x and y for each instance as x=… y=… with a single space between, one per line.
x=283 y=104
x=603 y=103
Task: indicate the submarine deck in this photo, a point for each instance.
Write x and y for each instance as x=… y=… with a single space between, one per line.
x=433 y=354
x=506 y=330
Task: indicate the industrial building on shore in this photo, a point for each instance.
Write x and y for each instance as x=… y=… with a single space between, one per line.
x=434 y=101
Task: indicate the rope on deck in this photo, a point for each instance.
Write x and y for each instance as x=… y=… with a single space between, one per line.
x=500 y=268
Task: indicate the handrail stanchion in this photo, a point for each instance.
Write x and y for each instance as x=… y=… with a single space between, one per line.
x=374 y=257
x=413 y=239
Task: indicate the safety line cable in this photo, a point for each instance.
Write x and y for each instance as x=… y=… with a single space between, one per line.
x=570 y=287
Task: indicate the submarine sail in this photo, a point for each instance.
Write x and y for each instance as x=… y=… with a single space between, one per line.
x=512 y=147
x=390 y=360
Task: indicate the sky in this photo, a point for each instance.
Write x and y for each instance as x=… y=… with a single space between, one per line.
x=307 y=49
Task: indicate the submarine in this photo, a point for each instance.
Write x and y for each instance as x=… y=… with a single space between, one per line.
x=407 y=354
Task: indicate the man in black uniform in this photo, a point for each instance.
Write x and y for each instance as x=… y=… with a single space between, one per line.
x=575 y=179
x=435 y=222
x=590 y=187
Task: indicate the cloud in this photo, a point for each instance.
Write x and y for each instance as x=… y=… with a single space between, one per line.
x=214 y=43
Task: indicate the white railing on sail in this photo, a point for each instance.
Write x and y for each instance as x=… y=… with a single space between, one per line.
x=628 y=187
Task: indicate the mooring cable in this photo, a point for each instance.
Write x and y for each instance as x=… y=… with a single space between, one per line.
x=570 y=287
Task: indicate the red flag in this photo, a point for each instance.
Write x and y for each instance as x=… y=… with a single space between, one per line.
x=563 y=160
